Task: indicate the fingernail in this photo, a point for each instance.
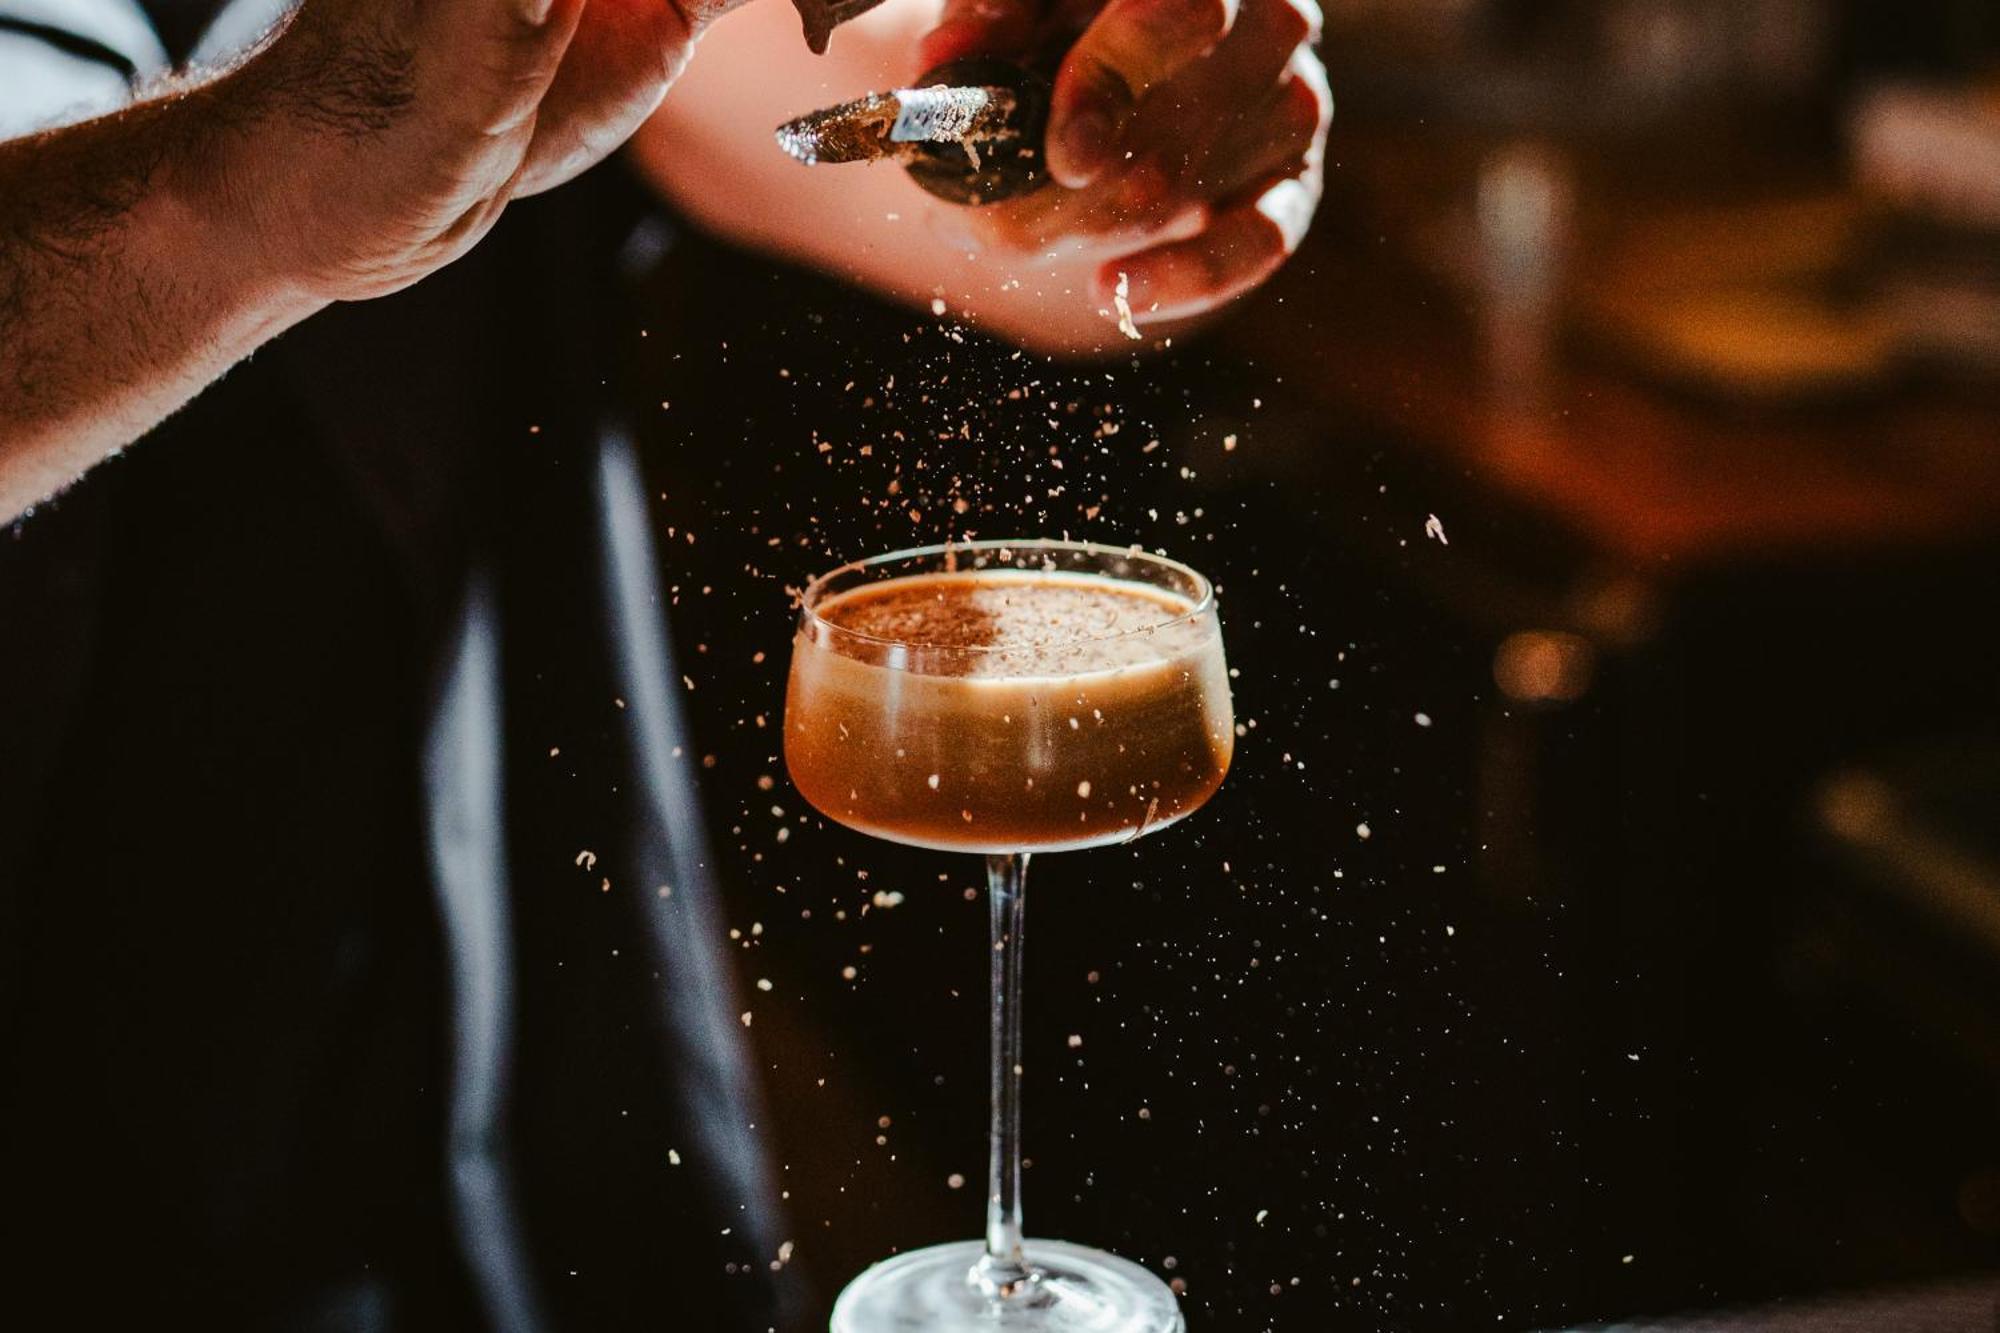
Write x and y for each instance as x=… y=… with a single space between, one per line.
x=1089 y=142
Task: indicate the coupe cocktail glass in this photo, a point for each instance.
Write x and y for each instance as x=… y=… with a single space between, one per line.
x=1008 y=698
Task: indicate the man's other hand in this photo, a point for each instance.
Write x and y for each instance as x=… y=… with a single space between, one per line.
x=1186 y=139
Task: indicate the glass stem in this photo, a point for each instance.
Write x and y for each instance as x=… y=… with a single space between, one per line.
x=1003 y=1269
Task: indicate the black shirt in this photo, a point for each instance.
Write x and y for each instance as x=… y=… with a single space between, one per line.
x=308 y=1020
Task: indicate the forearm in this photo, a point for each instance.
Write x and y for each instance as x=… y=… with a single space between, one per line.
x=709 y=150
x=364 y=147
x=121 y=293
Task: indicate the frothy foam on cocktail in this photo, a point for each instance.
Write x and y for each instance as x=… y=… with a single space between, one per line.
x=1001 y=610
x=1015 y=622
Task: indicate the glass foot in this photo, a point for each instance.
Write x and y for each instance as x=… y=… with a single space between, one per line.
x=1074 y=1289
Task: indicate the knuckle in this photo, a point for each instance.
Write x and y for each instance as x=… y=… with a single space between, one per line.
x=523 y=21
x=1197 y=18
x=1291 y=22
x=1284 y=211
x=1301 y=112
x=1307 y=69
x=1311 y=19
x=1277 y=242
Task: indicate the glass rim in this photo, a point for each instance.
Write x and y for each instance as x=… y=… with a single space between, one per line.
x=1204 y=601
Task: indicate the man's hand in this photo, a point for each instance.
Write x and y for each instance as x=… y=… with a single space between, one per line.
x=1185 y=138
x=370 y=143
x=376 y=140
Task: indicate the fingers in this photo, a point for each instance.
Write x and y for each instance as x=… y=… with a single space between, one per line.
x=1267 y=173
x=1242 y=246
x=1151 y=200
x=1132 y=47
x=625 y=55
x=1261 y=45
x=1283 y=139
x=1212 y=180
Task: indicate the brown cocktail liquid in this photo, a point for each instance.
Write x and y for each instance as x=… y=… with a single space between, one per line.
x=1008 y=710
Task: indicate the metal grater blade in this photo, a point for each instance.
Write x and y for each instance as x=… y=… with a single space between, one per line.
x=939 y=114
x=894 y=125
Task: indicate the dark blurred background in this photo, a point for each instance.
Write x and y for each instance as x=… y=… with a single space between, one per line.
x=1604 y=914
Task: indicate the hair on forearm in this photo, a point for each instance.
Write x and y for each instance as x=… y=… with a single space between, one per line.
x=64 y=196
